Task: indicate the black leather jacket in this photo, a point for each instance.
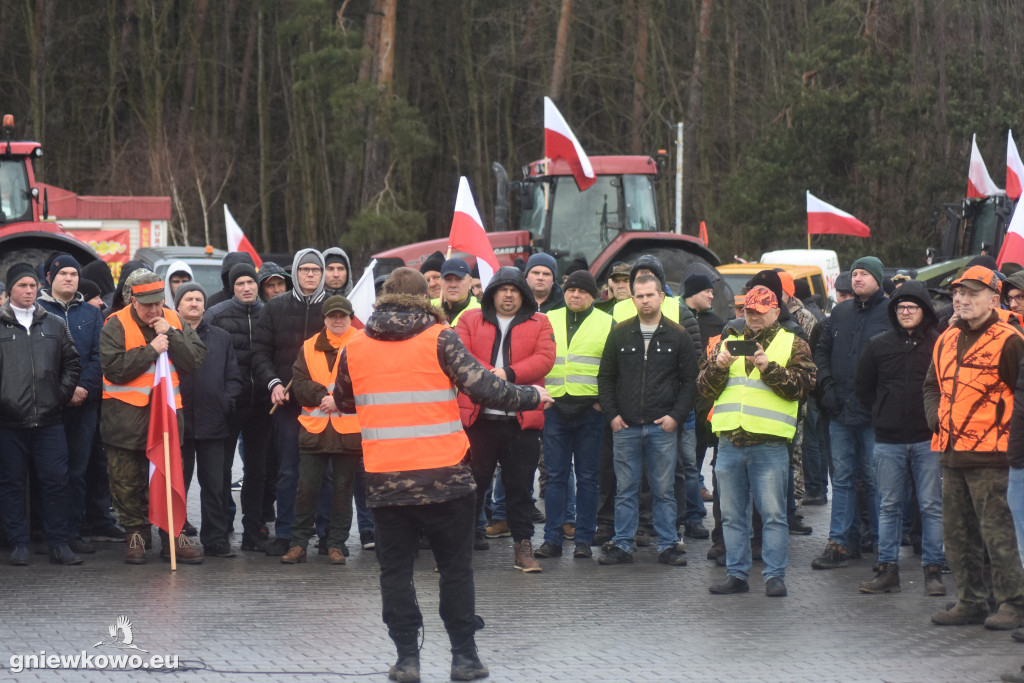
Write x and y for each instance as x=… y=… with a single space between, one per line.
x=38 y=371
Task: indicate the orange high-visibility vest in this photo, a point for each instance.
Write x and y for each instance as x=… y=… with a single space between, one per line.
x=136 y=392
x=407 y=407
x=312 y=418
x=1012 y=319
x=975 y=406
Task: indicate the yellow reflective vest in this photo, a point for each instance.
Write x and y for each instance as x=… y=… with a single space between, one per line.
x=473 y=303
x=577 y=362
x=626 y=309
x=749 y=404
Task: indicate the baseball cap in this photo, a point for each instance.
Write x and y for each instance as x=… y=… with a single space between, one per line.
x=760 y=299
x=455 y=266
x=978 y=278
x=148 y=288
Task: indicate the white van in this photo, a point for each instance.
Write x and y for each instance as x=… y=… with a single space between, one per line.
x=826 y=259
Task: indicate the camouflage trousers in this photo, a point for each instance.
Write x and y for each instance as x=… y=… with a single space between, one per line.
x=975 y=516
x=128 y=471
x=796 y=460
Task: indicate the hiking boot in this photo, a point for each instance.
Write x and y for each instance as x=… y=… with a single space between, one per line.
x=253 y=542
x=582 y=551
x=731 y=584
x=295 y=555
x=643 y=537
x=335 y=555
x=406 y=669
x=569 y=530
x=222 y=549
x=480 y=541
x=961 y=614
x=797 y=526
x=1006 y=619
x=498 y=529
x=547 y=549
x=80 y=545
x=368 y=540
x=696 y=530
x=775 y=587
x=887 y=580
x=615 y=555
x=61 y=554
x=466 y=666
x=19 y=556
x=184 y=551
x=716 y=551
x=536 y=516
x=135 y=547
x=602 y=535
x=672 y=557
x=815 y=500
x=524 y=562
x=833 y=557
x=278 y=546
x=933 y=580
x=706 y=495
x=107 y=533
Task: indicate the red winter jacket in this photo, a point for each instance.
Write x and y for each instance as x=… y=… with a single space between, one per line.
x=529 y=354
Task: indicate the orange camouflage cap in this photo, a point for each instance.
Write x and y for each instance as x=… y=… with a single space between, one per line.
x=978 y=278
x=760 y=299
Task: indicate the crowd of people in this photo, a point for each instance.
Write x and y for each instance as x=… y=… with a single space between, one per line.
x=430 y=426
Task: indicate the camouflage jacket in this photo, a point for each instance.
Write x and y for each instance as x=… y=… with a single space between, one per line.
x=399 y=317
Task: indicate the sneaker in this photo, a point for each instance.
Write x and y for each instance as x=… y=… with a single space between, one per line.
x=367 y=539
x=106 y=533
x=582 y=551
x=295 y=555
x=615 y=555
x=961 y=614
x=696 y=530
x=336 y=555
x=833 y=557
x=480 y=541
x=236 y=485
x=61 y=554
x=498 y=529
x=569 y=530
x=80 y=545
x=278 y=546
x=775 y=587
x=797 y=526
x=731 y=584
x=643 y=537
x=188 y=529
x=20 y=556
x=219 y=550
x=672 y=557
x=548 y=549
x=253 y=542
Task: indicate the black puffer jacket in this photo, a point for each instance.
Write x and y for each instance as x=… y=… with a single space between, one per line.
x=208 y=395
x=643 y=386
x=239 y=320
x=891 y=372
x=225 y=268
x=686 y=317
x=38 y=371
x=285 y=323
x=844 y=336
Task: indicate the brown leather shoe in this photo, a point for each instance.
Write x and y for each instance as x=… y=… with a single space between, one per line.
x=184 y=551
x=135 y=547
x=336 y=556
x=295 y=555
x=524 y=560
x=706 y=495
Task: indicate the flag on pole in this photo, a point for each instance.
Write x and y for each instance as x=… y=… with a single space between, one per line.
x=163 y=420
x=979 y=183
x=363 y=296
x=560 y=143
x=468 y=233
x=703 y=235
x=825 y=219
x=1014 y=168
x=237 y=241
x=1012 y=250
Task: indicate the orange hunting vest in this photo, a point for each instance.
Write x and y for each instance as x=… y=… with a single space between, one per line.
x=1013 y=319
x=136 y=392
x=974 y=405
x=407 y=407
x=312 y=418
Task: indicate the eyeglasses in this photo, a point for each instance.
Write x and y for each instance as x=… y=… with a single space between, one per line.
x=1019 y=298
x=907 y=309
x=310 y=270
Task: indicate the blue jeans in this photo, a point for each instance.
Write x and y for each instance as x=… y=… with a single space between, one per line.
x=757 y=473
x=633 y=448
x=891 y=462
x=689 y=504
x=46 y=449
x=1015 y=498
x=79 y=429
x=571 y=444
x=853 y=451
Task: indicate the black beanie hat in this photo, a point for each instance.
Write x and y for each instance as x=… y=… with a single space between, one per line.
x=696 y=283
x=241 y=270
x=770 y=279
x=582 y=279
x=88 y=289
x=17 y=271
x=432 y=262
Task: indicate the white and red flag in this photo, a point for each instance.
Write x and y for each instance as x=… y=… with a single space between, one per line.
x=825 y=219
x=979 y=182
x=363 y=296
x=1014 y=168
x=560 y=143
x=468 y=233
x=164 y=453
x=237 y=241
x=1012 y=250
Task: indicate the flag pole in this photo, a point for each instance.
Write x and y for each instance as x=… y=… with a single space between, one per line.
x=808 y=240
x=170 y=505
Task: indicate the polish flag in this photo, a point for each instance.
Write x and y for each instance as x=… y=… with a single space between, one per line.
x=363 y=296
x=163 y=451
x=825 y=219
x=1012 y=250
x=979 y=183
x=237 y=241
x=1014 y=168
x=560 y=143
x=468 y=233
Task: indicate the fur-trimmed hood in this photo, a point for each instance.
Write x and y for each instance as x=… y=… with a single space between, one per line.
x=401 y=316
